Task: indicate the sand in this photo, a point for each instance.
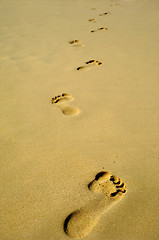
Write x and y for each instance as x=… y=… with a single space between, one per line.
x=50 y=152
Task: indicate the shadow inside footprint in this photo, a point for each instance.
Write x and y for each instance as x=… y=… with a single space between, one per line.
x=67 y=221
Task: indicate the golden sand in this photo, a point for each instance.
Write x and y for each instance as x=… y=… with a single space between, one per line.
x=107 y=119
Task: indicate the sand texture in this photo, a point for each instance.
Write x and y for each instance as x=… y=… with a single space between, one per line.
x=79 y=119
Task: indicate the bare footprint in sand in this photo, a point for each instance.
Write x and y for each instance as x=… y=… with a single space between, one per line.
x=61 y=102
x=76 y=43
x=93 y=20
x=102 y=28
x=108 y=190
x=89 y=64
x=103 y=14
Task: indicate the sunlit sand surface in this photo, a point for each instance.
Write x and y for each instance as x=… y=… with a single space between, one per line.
x=61 y=125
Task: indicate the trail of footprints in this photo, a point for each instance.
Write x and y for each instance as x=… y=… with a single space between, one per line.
x=108 y=190
x=78 y=43
x=95 y=21
x=61 y=100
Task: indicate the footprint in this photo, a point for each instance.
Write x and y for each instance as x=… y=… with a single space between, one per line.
x=76 y=43
x=103 y=14
x=93 y=31
x=93 y=20
x=61 y=102
x=102 y=28
x=90 y=62
x=108 y=190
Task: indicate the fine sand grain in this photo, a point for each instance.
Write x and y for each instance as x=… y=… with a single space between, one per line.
x=62 y=125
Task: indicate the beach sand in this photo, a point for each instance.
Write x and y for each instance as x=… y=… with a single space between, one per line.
x=50 y=151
